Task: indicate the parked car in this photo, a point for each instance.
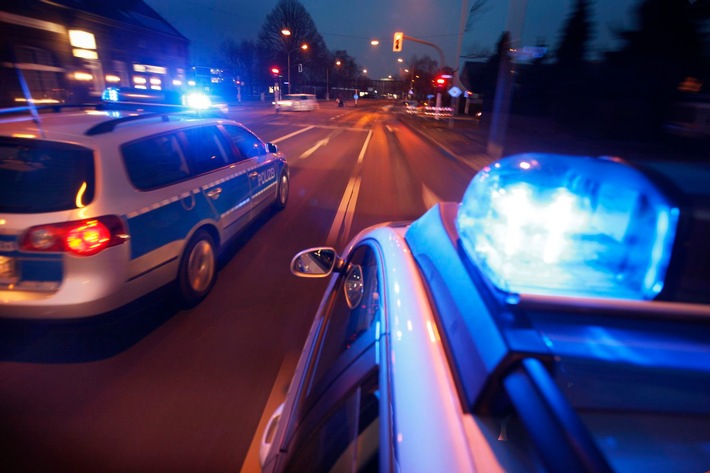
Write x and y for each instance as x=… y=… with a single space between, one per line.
x=98 y=208
x=297 y=103
x=557 y=319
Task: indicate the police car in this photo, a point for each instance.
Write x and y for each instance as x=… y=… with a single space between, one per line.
x=557 y=319
x=100 y=207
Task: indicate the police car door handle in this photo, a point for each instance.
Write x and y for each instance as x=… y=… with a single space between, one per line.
x=253 y=174
x=214 y=193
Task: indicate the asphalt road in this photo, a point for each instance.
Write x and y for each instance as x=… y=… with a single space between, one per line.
x=158 y=389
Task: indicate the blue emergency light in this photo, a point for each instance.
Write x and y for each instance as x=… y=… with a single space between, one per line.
x=197 y=100
x=568 y=226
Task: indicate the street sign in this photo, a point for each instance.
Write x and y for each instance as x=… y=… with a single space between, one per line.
x=454 y=91
x=397 y=44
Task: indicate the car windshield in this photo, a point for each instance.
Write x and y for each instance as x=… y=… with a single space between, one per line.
x=37 y=176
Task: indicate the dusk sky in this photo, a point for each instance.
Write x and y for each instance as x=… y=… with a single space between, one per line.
x=206 y=23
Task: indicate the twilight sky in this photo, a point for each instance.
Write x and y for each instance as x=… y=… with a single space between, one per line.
x=351 y=25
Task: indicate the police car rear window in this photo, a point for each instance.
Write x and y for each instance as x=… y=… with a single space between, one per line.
x=41 y=176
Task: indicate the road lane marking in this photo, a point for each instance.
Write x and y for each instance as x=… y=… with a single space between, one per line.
x=346 y=210
x=291 y=135
x=315 y=147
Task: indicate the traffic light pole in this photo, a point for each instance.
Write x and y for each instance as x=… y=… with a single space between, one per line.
x=438 y=49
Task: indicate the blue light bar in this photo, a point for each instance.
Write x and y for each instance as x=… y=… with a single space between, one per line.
x=197 y=100
x=110 y=94
x=568 y=226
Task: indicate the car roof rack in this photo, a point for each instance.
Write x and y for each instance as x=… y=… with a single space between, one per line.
x=110 y=125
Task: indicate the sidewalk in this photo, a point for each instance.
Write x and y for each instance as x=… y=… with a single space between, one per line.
x=462 y=138
x=466 y=139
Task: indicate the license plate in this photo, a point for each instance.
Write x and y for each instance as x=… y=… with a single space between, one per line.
x=7 y=269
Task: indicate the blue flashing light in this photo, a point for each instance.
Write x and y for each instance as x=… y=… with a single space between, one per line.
x=197 y=100
x=110 y=94
x=568 y=226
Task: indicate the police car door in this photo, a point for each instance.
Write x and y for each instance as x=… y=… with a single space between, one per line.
x=263 y=170
x=224 y=181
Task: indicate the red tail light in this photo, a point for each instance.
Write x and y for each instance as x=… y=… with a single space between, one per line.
x=80 y=237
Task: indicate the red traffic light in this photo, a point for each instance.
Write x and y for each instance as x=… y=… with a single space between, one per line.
x=275 y=70
x=440 y=81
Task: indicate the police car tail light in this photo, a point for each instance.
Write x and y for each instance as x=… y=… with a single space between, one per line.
x=81 y=237
x=566 y=225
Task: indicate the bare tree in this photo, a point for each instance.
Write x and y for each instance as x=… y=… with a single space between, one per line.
x=291 y=15
x=240 y=58
x=474 y=13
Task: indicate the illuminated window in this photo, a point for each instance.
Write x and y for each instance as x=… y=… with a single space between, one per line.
x=82 y=39
x=150 y=69
x=139 y=80
x=155 y=81
x=83 y=76
x=112 y=78
x=85 y=53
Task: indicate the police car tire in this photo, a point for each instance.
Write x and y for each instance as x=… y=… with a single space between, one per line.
x=198 y=269
x=282 y=192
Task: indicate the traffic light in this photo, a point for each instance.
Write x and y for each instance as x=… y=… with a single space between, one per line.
x=275 y=71
x=397 y=44
x=440 y=82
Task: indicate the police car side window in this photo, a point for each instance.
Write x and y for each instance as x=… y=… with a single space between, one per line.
x=347 y=439
x=156 y=161
x=207 y=149
x=248 y=145
x=355 y=311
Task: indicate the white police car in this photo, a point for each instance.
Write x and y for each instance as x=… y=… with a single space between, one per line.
x=558 y=319
x=98 y=208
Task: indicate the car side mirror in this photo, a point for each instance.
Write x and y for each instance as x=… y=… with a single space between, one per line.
x=315 y=262
x=272 y=148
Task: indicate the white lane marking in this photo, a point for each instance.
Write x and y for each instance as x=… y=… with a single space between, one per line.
x=315 y=147
x=346 y=209
x=364 y=147
x=291 y=135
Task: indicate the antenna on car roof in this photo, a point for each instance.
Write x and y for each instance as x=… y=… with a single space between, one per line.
x=28 y=97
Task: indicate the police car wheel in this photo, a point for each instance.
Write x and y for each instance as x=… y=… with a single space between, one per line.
x=198 y=269
x=282 y=192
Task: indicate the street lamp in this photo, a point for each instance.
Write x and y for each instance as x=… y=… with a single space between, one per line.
x=288 y=59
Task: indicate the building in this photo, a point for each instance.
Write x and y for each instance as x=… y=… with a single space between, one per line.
x=69 y=51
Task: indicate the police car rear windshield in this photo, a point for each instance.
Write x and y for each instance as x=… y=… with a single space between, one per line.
x=37 y=176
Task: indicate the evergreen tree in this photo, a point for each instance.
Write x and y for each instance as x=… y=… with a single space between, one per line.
x=576 y=35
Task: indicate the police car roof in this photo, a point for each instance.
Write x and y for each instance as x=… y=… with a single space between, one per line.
x=74 y=124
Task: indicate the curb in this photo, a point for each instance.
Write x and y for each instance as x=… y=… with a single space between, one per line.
x=442 y=147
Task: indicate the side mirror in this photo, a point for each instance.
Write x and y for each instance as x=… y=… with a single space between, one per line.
x=315 y=262
x=272 y=148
